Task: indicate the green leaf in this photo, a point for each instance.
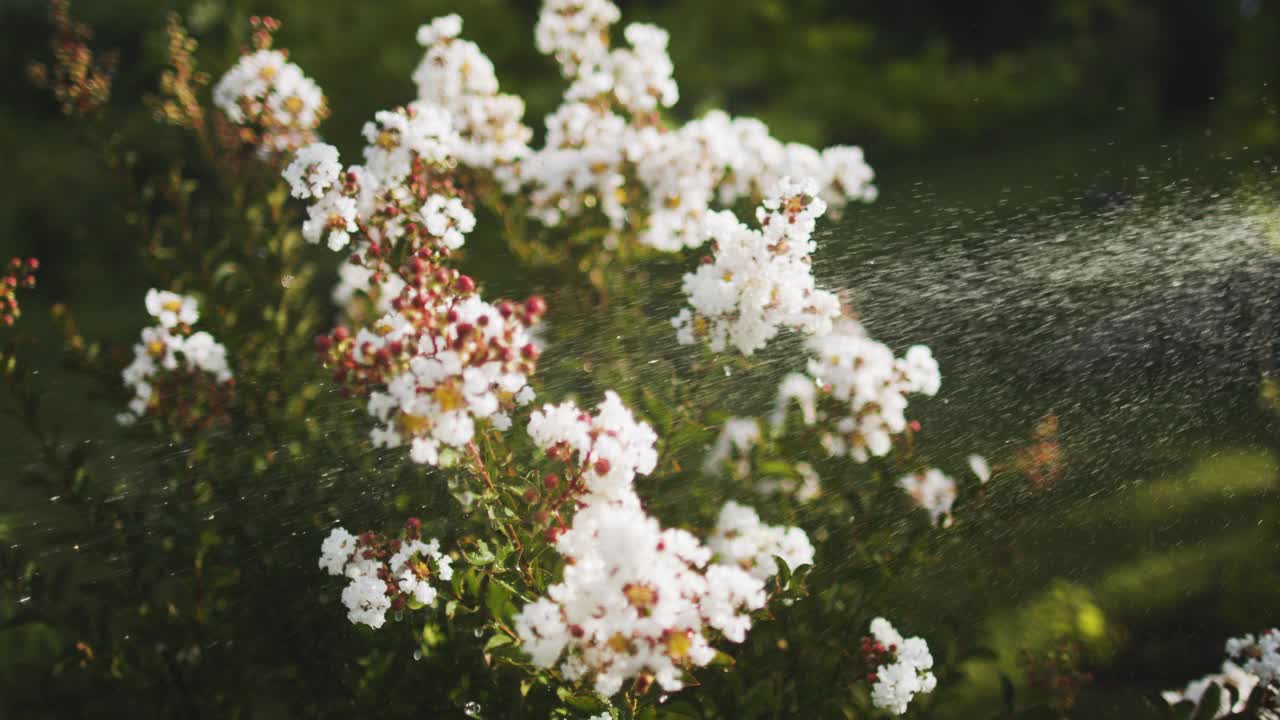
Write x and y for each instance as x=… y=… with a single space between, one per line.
x=482 y=555
x=585 y=703
x=498 y=641
x=784 y=572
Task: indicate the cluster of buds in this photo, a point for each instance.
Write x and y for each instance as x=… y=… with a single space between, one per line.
x=175 y=372
x=19 y=274
x=178 y=103
x=272 y=103
x=386 y=573
x=875 y=653
x=441 y=359
x=79 y=82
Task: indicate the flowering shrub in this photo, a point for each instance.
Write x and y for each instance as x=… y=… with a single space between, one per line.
x=1248 y=683
x=570 y=561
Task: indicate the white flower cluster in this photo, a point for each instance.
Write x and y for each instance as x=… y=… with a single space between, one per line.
x=170 y=346
x=604 y=451
x=389 y=198
x=270 y=96
x=795 y=388
x=906 y=674
x=1252 y=661
x=740 y=539
x=737 y=436
x=575 y=32
x=1231 y=676
x=1259 y=656
x=453 y=376
x=758 y=281
x=457 y=77
x=869 y=384
x=606 y=146
x=314 y=169
x=933 y=491
x=383 y=575
x=635 y=599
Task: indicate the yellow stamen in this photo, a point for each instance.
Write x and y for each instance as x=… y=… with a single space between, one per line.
x=678 y=645
x=449 y=397
x=413 y=425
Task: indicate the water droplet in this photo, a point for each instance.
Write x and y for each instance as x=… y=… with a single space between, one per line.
x=417 y=654
x=472 y=709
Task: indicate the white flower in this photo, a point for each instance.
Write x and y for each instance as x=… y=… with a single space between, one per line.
x=204 y=353
x=869 y=386
x=932 y=490
x=1231 y=676
x=634 y=599
x=759 y=281
x=459 y=360
x=396 y=137
x=457 y=77
x=172 y=309
x=375 y=581
x=800 y=389
x=980 y=467
x=740 y=539
x=165 y=348
x=332 y=219
x=336 y=550
x=575 y=32
x=737 y=436
x=366 y=600
x=447 y=219
x=906 y=674
x=605 y=451
x=313 y=171
x=1259 y=656
x=265 y=92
